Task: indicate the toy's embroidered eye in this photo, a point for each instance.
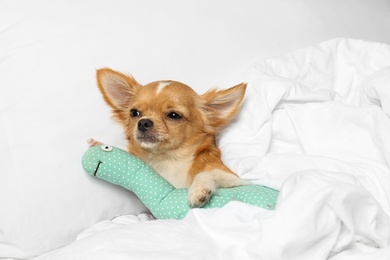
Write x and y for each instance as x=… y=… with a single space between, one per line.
x=135 y=113
x=174 y=115
x=106 y=148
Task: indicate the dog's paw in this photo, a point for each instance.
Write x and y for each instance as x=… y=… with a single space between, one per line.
x=92 y=142
x=198 y=195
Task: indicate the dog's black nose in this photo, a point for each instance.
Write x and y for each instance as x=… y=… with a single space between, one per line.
x=144 y=125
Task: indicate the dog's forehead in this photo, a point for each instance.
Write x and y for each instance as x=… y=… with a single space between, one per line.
x=168 y=88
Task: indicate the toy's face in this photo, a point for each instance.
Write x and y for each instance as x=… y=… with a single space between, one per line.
x=95 y=156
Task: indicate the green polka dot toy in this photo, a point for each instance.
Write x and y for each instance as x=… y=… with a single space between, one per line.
x=163 y=200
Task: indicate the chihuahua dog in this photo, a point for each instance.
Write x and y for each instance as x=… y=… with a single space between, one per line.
x=174 y=130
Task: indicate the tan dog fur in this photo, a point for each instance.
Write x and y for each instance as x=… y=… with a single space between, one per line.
x=180 y=142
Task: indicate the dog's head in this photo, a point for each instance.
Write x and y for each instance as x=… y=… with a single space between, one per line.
x=166 y=115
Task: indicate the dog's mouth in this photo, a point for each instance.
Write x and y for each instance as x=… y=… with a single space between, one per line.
x=147 y=139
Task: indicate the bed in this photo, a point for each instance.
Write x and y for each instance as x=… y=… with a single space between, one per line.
x=314 y=125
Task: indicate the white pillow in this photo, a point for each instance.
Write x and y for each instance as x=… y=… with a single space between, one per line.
x=49 y=103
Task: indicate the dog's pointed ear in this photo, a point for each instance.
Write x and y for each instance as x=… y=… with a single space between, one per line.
x=221 y=106
x=117 y=88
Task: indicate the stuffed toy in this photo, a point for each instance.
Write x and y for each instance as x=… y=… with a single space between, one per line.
x=159 y=196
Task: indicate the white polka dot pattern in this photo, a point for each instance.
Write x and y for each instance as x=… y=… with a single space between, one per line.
x=163 y=200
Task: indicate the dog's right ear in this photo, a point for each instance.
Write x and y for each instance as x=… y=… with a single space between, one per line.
x=117 y=88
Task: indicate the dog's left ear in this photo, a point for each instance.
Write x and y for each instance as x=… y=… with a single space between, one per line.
x=221 y=106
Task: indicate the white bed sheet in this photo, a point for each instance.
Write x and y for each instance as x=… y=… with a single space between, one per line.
x=315 y=123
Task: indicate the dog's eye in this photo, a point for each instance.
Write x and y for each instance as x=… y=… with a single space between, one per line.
x=174 y=115
x=134 y=113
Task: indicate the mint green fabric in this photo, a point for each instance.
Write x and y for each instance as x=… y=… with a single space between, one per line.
x=163 y=200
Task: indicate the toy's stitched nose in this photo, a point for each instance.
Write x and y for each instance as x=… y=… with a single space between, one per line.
x=144 y=125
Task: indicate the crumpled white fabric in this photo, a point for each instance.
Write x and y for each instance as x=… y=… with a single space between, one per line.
x=315 y=124
x=321 y=134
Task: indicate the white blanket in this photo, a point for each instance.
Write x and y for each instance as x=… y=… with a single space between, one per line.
x=315 y=124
